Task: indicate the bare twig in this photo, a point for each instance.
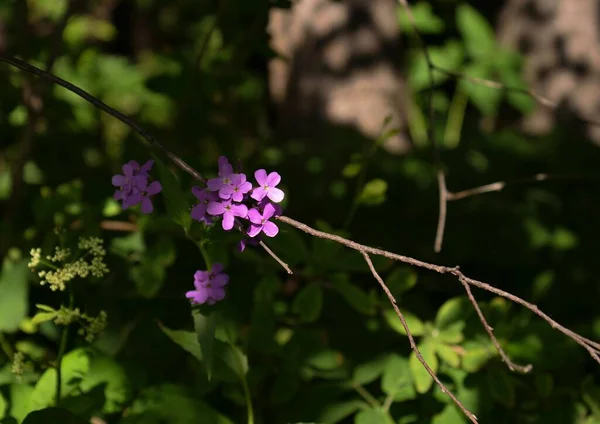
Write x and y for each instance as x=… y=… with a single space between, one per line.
x=510 y=364
x=592 y=347
x=277 y=259
x=411 y=339
x=443 y=207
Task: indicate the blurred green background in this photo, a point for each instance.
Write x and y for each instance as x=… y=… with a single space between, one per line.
x=322 y=345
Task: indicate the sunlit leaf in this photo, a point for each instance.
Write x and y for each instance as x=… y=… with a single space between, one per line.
x=422 y=378
x=477 y=33
x=415 y=325
x=397 y=380
x=14 y=290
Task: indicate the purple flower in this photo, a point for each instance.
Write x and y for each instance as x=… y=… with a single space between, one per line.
x=210 y=286
x=264 y=202
x=133 y=186
x=146 y=192
x=260 y=222
x=266 y=186
x=199 y=211
x=229 y=210
x=225 y=173
x=236 y=188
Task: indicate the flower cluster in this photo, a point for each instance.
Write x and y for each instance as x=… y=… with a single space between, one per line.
x=64 y=270
x=210 y=286
x=232 y=197
x=134 y=187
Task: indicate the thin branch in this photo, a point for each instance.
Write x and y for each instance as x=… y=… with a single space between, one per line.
x=443 y=208
x=592 y=347
x=500 y=185
x=510 y=364
x=18 y=63
x=277 y=259
x=411 y=339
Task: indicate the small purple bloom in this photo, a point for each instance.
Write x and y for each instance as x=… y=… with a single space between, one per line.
x=133 y=186
x=236 y=188
x=150 y=190
x=225 y=173
x=210 y=286
x=199 y=211
x=267 y=186
x=229 y=210
x=260 y=222
x=264 y=202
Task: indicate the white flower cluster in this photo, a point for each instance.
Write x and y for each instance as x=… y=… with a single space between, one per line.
x=36 y=257
x=66 y=271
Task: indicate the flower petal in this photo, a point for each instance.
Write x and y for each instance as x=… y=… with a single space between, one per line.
x=254 y=230
x=240 y=210
x=273 y=179
x=227 y=221
x=225 y=167
x=147 y=206
x=270 y=229
x=275 y=194
x=217 y=293
x=198 y=212
x=214 y=184
x=119 y=180
x=153 y=188
x=198 y=192
x=268 y=211
x=220 y=280
x=216 y=208
x=254 y=216
x=259 y=193
x=261 y=176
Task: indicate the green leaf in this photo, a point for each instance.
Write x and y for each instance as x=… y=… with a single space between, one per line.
x=452 y=312
x=172 y=404
x=373 y=193
x=448 y=355
x=326 y=360
x=338 y=411
x=356 y=298
x=43 y=317
x=178 y=207
x=14 y=291
x=20 y=395
x=425 y=20
x=205 y=332
x=450 y=415
x=397 y=380
x=476 y=31
x=423 y=380
x=485 y=99
x=224 y=366
x=32 y=174
x=308 y=303
x=449 y=57
x=369 y=371
x=502 y=387
x=401 y=280
x=415 y=325
x=452 y=334
x=53 y=415
x=370 y=416
x=117 y=387
x=75 y=366
x=3 y=406
x=475 y=357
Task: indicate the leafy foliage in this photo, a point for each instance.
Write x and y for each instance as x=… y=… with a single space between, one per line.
x=321 y=345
